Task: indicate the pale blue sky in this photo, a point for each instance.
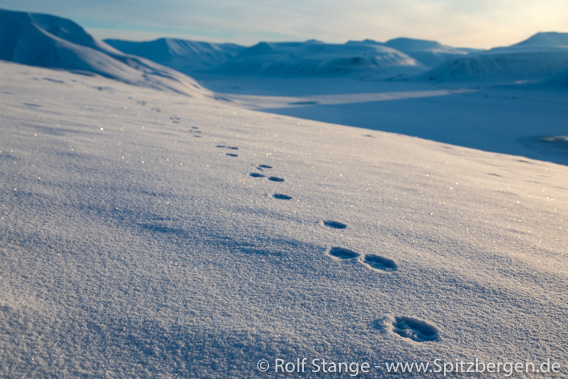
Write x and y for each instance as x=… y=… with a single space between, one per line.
x=467 y=23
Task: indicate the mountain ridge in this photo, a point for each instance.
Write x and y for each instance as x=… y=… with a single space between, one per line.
x=53 y=42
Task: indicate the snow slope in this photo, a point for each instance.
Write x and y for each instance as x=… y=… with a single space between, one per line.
x=147 y=234
x=559 y=80
x=50 y=41
x=540 y=56
x=181 y=55
x=315 y=58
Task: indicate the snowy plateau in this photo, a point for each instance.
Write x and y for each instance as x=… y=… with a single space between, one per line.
x=257 y=224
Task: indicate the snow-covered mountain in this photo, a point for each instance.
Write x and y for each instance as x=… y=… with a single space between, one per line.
x=181 y=55
x=54 y=42
x=315 y=58
x=147 y=234
x=429 y=53
x=540 y=56
x=291 y=58
x=544 y=40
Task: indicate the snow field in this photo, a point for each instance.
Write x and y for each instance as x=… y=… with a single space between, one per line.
x=136 y=243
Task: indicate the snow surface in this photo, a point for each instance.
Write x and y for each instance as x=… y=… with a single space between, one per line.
x=181 y=55
x=54 y=42
x=143 y=234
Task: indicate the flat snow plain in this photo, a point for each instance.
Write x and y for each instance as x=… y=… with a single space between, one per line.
x=134 y=241
x=510 y=119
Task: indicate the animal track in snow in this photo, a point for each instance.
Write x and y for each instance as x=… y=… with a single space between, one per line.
x=257 y=175
x=261 y=166
x=281 y=196
x=343 y=253
x=415 y=329
x=276 y=179
x=195 y=131
x=232 y=155
x=227 y=147
x=379 y=263
x=334 y=224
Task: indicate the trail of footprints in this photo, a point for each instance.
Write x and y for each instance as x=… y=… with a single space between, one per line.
x=195 y=131
x=234 y=148
x=411 y=328
x=261 y=168
x=372 y=261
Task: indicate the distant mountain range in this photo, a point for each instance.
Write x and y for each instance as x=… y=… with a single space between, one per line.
x=315 y=58
x=538 y=57
x=428 y=53
x=50 y=41
x=184 y=56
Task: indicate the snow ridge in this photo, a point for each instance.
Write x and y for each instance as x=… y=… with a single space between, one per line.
x=53 y=42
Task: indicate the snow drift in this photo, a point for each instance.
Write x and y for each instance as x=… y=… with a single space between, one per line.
x=181 y=55
x=540 y=56
x=53 y=42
